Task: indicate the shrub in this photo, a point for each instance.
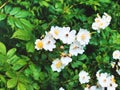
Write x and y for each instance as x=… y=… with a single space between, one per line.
x=26 y=26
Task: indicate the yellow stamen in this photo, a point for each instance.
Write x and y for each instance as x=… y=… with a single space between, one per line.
x=56 y=31
x=75 y=47
x=83 y=36
x=39 y=44
x=113 y=79
x=59 y=64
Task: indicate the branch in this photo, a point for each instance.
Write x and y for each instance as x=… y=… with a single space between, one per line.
x=4 y=4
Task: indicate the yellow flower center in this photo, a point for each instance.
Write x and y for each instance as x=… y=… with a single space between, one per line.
x=40 y=44
x=101 y=24
x=56 y=31
x=83 y=77
x=104 y=80
x=75 y=47
x=59 y=64
x=116 y=55
x=83 y=36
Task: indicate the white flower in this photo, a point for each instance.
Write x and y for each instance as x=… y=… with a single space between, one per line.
x=57 y=65
x=112 y=83
x=83 y=77
x=86 y=88
x=61 y=88
x=55 y=32
x=67 y=36
x=39 y=44
x=49 y=42
x=101 y=22
x=103 y=80
x=111 y=88
x=98 y=73
x=76 y=48
x=107 y=18
x=96 y=88
x=66 y=60
x=116 y=54
x=83 y=36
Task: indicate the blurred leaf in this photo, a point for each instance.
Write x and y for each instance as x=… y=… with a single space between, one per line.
x=10 y=20
x=15 y=11
x=30 y=47
x=11 y=74
x=7 y=9
x=21 y=14
x=27 y=24
x=2 y=48
x=22 y=35
x=11 y=52
x=13 y=59
x=20 y=63
x=76 y=64
x=2 y=78
x=21 y=86
x=2 y=17
x=82 y=57
x=11 y=83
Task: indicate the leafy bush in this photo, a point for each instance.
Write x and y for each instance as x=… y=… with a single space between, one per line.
x=22 y=22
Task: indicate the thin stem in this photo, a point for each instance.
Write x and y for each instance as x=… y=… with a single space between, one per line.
x=4 y=4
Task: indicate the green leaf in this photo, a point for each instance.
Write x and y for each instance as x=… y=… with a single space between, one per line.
x=11 y=74
x=18 y=24
x=13 y=59
x=11 y=83
x=15 y=11
x=2 y=59
x=22 y=35
x=2 y=17
x=44 y=3
x=82 y=57
x=22 y=14
x=77 y=64
x=105 y=1
x=30 y=47
x=20 y=63
x=10 y=20
x=7 y=9
x=2 y=48
x=2 y=78
x=42 y=75
x=27 y=24
x=36 y=86
x=11 y=52
x=21 y=86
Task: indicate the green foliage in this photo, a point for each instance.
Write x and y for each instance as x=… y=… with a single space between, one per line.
x=23 y=21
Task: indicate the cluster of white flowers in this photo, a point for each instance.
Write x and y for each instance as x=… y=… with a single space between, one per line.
x=84 y=77
x=59 y=64
x=76 y=42
x=116 y=63
x=106 y=80
x=101 y=22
